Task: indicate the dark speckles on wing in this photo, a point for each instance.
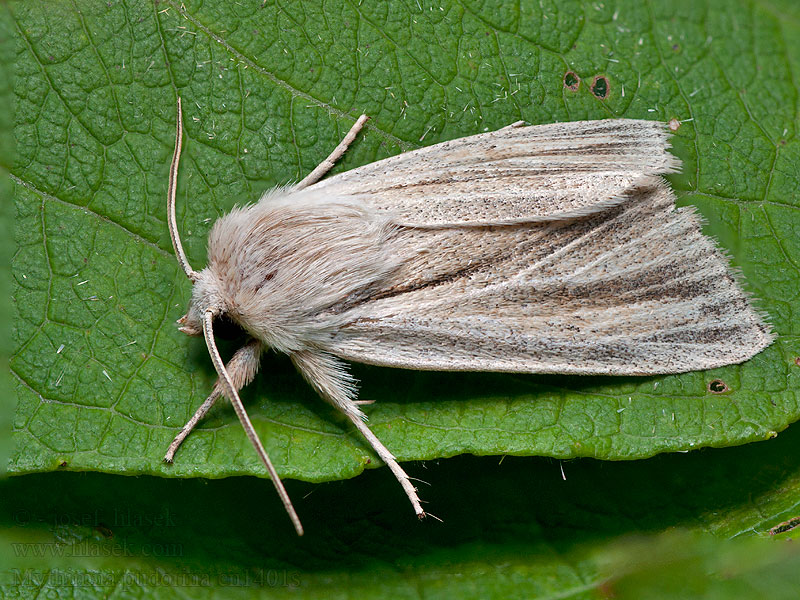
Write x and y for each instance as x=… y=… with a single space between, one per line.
x=514 y=175
x=636 y=289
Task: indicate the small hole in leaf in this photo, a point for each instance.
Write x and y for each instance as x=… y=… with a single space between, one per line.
x=571 y=81
x=600 y=87
x=785 y=526
x=674 y=124
x=797 y=360
x=718 y=387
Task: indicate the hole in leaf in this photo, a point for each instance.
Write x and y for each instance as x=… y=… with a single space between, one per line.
x=718 y=387
x=785 y=526
x=797 y=360
x=600 y=87
x=674 y=124
x=571 y=81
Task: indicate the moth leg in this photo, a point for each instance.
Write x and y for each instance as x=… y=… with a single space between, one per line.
x=229 y=390
x=514 y=125
x=329 y=377
x=242 y=368
x=327 y=164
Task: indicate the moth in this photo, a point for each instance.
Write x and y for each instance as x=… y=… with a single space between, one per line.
x=532 y=249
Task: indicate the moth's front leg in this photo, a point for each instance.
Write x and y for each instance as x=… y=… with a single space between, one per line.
x=242 y=368
x=329 y=377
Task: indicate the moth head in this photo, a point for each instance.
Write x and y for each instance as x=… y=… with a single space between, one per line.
x=206 y=297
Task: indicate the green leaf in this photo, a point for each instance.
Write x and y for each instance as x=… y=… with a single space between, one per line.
x=104 y=379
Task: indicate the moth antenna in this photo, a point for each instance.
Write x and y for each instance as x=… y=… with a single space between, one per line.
x=230 y=391
x=327 y=164
x=173 y=184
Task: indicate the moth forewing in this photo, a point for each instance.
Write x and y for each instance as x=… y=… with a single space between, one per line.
x=635 y=290
x=513 y=175
x=544 y=249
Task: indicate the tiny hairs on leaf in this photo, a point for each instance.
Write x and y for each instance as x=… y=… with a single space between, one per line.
x=532 y=249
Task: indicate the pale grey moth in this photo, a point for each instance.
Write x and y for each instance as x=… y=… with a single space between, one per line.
x=532 y=249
